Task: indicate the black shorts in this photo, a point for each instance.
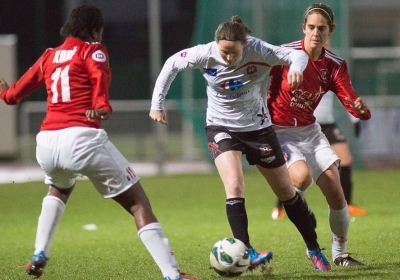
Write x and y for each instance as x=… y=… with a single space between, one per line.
x=333 y=133
x=260 y=146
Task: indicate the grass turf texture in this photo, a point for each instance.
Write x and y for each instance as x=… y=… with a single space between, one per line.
x=191 y=209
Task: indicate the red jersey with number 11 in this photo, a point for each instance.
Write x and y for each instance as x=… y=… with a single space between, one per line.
x=296 y=107
x=77 y=77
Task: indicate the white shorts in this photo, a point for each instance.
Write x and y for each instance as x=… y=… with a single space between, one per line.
x=71 y=152
x=309 y=144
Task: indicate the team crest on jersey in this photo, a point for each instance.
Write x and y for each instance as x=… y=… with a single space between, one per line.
x=210 y=71
x=99 y=56
x=324 y=74
x=265 y=149
x=183 y=54
x=221 y=136
x=232 y=84
x=251 y=69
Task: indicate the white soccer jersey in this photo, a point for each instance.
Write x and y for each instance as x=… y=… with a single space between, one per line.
x=235 y=92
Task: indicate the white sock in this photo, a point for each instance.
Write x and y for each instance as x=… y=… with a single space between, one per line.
x=339 y=221
x=52 y=210
x=301 y=193
x=159 y=248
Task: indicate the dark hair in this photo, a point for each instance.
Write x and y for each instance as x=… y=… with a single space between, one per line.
x=82 y=21
x=323 y=10
x=233 y=30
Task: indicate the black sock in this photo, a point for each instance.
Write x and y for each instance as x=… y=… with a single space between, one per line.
x=345 y=181
x=237 y=217
x=279 y=204
x=298 y=213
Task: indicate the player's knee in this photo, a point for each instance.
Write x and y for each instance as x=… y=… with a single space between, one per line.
x=302 y=182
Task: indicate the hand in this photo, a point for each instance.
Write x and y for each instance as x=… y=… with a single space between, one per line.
x=357 y=129
x=97 y=114
x=158 y=116
x=294 y=79
x=358 y=105
x=3 y=85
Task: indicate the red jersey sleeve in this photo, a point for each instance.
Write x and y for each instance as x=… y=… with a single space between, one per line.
x=343 y=89
x=100 y=76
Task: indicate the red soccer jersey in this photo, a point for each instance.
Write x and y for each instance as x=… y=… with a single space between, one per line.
x=77 y=77
x=296 y=107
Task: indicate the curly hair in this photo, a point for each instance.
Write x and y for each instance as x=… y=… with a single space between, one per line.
x=82 y=21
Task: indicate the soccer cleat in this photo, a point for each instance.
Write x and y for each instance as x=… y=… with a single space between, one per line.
x=319 y=260
x=356 y=211
x=36 y=265
x=346 y=260
x=259 y=258
x=312 y=215
x=278 y=213
x=182 y=276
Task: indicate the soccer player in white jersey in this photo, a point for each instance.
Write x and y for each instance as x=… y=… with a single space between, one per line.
x=235 y=67
x=77 y=76
x=324 y=115
x=308 y=152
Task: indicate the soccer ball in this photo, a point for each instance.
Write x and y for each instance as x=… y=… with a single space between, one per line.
x=229 y=257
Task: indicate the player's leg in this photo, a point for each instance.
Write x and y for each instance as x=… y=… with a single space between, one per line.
x=272 y=166
x=61 y=184
x=339 y=218
x=229 y=166
x=135 y=201
x=226 y=150
x=297 y=211
x=301 y=179
x=113 y=177
x=345 y=172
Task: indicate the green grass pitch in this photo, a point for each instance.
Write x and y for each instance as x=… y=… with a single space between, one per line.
x=191 y=209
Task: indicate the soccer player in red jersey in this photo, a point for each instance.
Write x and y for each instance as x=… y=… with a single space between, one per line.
x=308 y=152
x=70 y=143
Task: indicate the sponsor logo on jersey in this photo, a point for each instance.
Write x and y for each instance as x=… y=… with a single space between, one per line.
x=251 y=69
x=221 y=136
x=63 y=55
x=232 y=84
x=265 y=149
x=304 y=99
x=210 y=71
x=99 y=56
x=232 y=96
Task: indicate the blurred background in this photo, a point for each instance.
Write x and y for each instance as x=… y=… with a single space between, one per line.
x=141 y=34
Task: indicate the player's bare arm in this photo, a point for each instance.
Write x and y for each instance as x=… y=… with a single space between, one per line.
x=3 y=84
x=158 y=116
x=358 y=105
x=98 y=114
